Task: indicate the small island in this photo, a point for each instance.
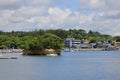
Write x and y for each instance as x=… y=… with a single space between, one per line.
x=47 y=44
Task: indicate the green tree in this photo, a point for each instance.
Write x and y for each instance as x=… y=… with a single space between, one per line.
x=117 y=38
x=52 y=41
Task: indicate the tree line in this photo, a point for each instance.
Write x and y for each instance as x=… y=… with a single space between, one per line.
x=41 y=39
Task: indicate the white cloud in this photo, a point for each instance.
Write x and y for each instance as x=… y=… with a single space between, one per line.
x=37 y=2
x=92 y=4
x=30 y=11
x=58 y=14
x=97 y=15
x=8 y=2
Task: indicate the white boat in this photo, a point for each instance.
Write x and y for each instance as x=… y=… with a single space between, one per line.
x=1 y=55
x=51 y=54
x=68 y=50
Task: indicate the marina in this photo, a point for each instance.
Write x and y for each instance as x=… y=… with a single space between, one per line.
x=8 y=54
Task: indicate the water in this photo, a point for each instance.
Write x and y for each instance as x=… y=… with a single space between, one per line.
x=82 y=65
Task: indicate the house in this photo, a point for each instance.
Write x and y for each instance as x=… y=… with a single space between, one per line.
x=72 y=43
x=68 y=42
x=85 y=46
x=85 y=41
x=117 y=44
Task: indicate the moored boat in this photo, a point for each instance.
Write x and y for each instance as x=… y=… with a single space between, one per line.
x=53 y=54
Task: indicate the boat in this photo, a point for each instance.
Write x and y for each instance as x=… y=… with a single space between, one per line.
x=53 y=54
x=68 y=50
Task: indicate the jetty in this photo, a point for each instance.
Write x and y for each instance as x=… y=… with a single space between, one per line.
x=11 y=50
x=8 y=57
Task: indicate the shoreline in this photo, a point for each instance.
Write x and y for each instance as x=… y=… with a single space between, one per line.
x=93 y=49
x=89 y=49
x=42 y=52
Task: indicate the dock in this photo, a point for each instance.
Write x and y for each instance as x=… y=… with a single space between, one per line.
x=11 y=50
x=8 y=57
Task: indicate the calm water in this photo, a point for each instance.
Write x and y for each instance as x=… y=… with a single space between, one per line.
x=83 y=65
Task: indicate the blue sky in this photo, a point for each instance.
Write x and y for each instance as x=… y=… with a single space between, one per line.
x=26 y=15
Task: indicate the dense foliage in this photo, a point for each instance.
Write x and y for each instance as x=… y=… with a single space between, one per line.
x=46 y=41
x=41 y=39
x=42 y=42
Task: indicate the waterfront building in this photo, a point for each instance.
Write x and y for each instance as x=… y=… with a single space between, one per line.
x=69 y=42
x=85 y=41
x=72 y=43
x=85 y=46
x=117 y=44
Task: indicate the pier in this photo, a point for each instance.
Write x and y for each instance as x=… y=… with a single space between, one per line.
x=11 y=51
x=8 y=57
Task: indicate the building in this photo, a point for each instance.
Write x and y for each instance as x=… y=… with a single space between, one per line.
x=85 y=46
x=72 y=43
x=85 y=41
x=68 y=42
x=117 y=44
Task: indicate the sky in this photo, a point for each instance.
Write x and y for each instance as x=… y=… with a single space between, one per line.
x=27 y=15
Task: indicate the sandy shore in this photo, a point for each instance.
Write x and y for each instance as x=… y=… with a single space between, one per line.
x=93 y=49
